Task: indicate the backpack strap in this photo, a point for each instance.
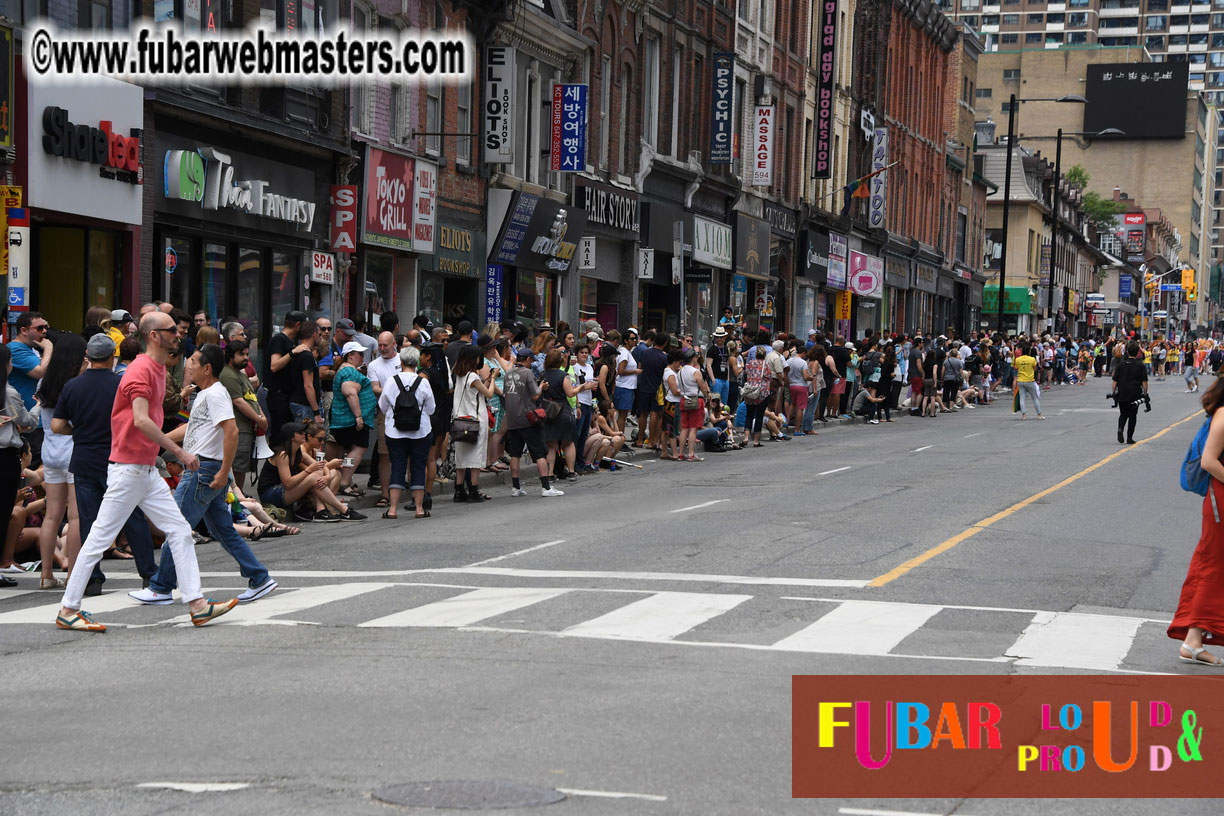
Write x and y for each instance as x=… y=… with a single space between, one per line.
x=415 y=384
x=1215 y=510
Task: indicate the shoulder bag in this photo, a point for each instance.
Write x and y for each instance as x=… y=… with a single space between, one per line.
x=687 y=403
x=467 y=428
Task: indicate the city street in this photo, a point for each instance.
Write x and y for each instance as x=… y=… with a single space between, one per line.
x=631 y=644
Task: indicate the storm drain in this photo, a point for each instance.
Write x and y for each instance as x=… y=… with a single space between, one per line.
x=467 y=795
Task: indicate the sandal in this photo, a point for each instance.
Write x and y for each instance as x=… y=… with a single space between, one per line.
x=383 y=502
x=352 y=491
x=387 y=515
x=1215 y=661
x=272 y=531
x=285 y=529
x=257 y=533
x=425 y=514
x=757 y=445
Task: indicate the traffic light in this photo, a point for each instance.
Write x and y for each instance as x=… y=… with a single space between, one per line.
x=1191 y=291
x=1149 y=282
x=1187 y=279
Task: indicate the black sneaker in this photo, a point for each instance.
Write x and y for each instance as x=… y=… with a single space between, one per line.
x=352 y=515
x=326 y=516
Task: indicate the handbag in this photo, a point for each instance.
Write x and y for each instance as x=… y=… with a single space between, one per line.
x=467 y=428
x=552 y=410
x=536 y=415
x=688 y=403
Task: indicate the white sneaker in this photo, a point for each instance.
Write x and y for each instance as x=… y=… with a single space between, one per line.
x=551 y=491
x=517 y=491
x=255 y=593
x=873 y=421
x=148 y=596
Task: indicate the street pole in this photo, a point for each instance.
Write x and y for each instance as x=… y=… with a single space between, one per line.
x=1054 y=230
x=1011 y=137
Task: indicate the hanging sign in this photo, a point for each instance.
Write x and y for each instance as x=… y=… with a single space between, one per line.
x=343 y=201
x=18 y=241
x=500 y=103
x=879 y=182
x=424 y=202
x=843 y=306
x=586 y=253
x=645 y=263
x=569 y=127
x=493 y=293
x=322 y=268
x=866 y=275
x=723 y=90
x=762 y=151
x=826 y=56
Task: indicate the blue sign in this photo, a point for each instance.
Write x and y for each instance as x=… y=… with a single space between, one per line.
x=721 y=108
x=16 y=296
x=493 y=293
x=516 y=228
x=569 y=128
x=1170 y=287
x=1124 y=286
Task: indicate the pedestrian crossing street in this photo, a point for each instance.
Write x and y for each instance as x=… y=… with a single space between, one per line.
x=1023 y=638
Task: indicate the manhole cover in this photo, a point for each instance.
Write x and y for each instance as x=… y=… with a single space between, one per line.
x=467 y=795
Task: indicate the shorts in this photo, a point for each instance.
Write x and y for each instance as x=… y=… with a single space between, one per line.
x=799 y=396
x=691 y=420
x=531 y=438
x=928 y=388
x=301 y=413
x=57 y=475
x=245 y=452
x=1191 y=373
x=274 y=496
x=916 y=385
x=723 y=389
x=623 y=398
x=671 y=418
x=381 y=437
x=648 y=400
x=351 y=437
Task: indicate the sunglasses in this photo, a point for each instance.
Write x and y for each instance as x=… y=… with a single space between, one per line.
x=43 y=327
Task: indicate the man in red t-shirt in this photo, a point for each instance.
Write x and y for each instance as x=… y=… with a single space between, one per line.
x=132 y=480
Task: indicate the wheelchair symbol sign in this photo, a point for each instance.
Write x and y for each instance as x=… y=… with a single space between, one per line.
x=16 y=295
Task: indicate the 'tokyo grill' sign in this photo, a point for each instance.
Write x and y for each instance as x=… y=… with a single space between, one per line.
x=399 y=198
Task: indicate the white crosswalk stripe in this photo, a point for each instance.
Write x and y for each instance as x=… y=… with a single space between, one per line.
x=1068 y=640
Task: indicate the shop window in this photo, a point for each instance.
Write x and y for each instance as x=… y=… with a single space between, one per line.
x=178 y=263
x=379 y=287
x=285 y=275
x=251 y=300
x=61 y=277
x=212 y=282
x=535 y=298
x=103 y=264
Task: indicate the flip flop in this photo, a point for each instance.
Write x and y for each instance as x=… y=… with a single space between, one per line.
x=383 y=502
x=387 y=515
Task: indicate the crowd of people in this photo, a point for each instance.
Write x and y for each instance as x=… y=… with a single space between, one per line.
x=248 y=452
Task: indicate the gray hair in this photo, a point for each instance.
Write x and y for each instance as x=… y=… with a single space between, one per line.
x=778 y=345
x=410 y=357
x=230 y=329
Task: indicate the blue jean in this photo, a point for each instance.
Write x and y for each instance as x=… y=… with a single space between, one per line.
x=198 y=501
x=723 y=389
x=301 y=413
x=89 y=492
x=809 y=413
x=408 y=457
x=584 y=426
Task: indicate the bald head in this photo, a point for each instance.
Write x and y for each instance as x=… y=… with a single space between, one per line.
x=166 y=308
x=153 y=321
x=386 y=345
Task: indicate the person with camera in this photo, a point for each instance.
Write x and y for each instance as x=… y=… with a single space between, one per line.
x=1130 y=385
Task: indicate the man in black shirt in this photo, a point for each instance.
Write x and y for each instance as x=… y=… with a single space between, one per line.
x=716 y=364
x=1130 y=383
x=841 y=361
x=651 y=361
x=277 y=376
x=306 y=395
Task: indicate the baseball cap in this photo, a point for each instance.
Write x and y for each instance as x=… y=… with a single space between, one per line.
x=850 y=346
x=524 y=352
x=100 y=347
x=345 y=325
x=122 y=315
x=350 y=347
x=811 y=332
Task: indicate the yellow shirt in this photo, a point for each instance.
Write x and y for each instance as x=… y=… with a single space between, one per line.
x=1025 y=366
x=117 y=336
x=1147 y=356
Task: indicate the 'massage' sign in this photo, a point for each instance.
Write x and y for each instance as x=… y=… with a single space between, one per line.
x=822 y=165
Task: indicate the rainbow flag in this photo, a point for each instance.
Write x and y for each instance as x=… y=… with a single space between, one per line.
x=183 y=415
x=859 y=189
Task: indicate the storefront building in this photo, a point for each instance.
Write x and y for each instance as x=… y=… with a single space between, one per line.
x=529 y=263
x=754 y=264
x=920 y=308
x=783 y=225
x=399 y=226
x=451 y=280
x=665 y=230
x=897 y=276
x=80 y=176
x=235 y=231
x=813 y=274
x=606 y=252
x=865 y=276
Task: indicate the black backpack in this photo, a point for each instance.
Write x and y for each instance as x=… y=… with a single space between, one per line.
x=407 y=413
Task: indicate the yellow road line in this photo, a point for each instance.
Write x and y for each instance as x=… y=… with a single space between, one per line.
x=944 y=546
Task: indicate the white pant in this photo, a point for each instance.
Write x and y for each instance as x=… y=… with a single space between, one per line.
x=129 y=486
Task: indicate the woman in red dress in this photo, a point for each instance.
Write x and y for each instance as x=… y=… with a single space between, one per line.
x=1200 y=611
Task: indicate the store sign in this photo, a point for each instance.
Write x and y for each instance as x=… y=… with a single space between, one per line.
x=843 y=309
x=612 y=208
x=879 y=183
x=493 y=293
x=712 y=243
x=460 y=251
x=925 y=278
x=816 y=256
x=826 y=57
x=322 y=268
x=425 y=197
x=838 y=251
x=782 y=221
x=85 y=148
x=343 y=202
x=10 y=198
x=645 y=263
x=208 y=177
x=739 y=291
x=569 y=127
x=866 y=275
x=1124 y=286
x=586 y=252
x=390 y=200
x=500 y=104
x=722 y=122
x=1134 y=218
x=751 y=246
x=540 y=234
x=764 y=120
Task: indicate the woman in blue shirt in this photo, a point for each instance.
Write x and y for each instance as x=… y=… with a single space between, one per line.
x=352 y=416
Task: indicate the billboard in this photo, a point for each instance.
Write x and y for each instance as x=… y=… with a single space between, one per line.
x=1144 y=100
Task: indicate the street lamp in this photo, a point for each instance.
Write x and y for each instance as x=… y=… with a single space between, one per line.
x=1054 y=210
x=1011 y=138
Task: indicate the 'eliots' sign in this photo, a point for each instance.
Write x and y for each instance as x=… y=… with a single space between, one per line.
x=118 y=156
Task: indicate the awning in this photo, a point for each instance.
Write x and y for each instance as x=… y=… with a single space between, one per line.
x=1017 y=300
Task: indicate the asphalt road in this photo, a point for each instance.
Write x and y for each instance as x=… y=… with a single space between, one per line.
x=636 y=637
